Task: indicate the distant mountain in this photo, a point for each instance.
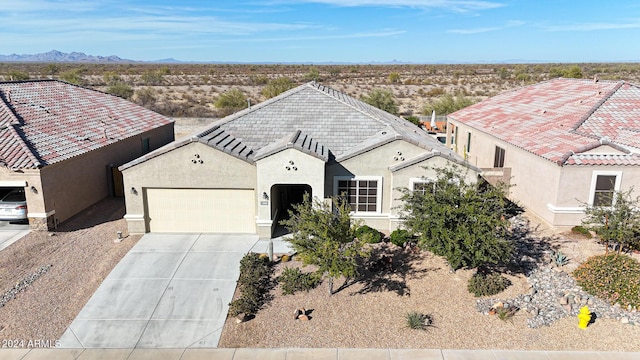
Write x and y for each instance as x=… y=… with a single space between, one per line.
x=58 y=56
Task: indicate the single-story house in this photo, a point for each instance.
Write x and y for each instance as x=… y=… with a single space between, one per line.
x=563 y=143
x=242 y=173
x=62 y=144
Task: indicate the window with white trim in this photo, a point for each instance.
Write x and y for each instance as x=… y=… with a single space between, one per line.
x=364 y=194
x=604 y=184
x=422 y=185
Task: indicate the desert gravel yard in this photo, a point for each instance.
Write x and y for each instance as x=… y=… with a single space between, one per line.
x=371 y=313
x=72 y=263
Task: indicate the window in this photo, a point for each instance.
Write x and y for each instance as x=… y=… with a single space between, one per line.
x=145 y=146
x=363 y=194
x=498 y=160
x=603 y=186
x=603 y=193
x=423 y=186
x=468 y=142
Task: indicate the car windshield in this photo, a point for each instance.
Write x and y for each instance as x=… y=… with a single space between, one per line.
x=14 y=196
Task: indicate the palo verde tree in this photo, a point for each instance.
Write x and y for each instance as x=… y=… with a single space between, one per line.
x=616 y=220
x=446 y=104
x=277 y=86
x=382 y=99
x=324 y=235
x=459 y=220
x=231 y=101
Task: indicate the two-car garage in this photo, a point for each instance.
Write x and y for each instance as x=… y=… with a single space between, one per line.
x=201 y=210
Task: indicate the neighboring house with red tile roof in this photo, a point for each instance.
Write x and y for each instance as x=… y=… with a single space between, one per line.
x=563 y=143
x=242 y=173
x=63 y=143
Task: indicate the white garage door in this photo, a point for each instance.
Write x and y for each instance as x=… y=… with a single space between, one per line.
x=201 y=210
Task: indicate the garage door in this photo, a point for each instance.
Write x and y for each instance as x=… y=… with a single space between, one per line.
x=201 y=210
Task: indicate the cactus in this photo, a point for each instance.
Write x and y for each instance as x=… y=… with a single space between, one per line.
x=560 y=258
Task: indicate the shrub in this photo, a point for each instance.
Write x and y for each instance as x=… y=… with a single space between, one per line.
x=485 y=284
x=369 y=234
x=581 y=230
x=293 y=280
x=418 y=321
x=254 y=284
x=615 y=278
x=399 y=237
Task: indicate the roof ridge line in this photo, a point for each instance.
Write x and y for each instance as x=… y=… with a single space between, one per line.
x=326 y=93
x=595 y=107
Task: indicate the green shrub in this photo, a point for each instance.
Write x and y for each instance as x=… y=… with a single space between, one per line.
x=418 y=321
x=485 y=284
x=613 y=277
x=293 y=280
x=254 y=283
x=369 y=234
x=581 y=230
x=399 y=237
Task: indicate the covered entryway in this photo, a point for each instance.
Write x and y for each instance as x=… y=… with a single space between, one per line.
x=201 y=210
x=283 y=197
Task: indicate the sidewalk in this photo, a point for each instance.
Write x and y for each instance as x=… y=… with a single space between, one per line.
x=300 y=354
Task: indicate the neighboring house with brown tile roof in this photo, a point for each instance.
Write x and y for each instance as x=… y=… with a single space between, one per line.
x=563 y=143
x=63 y=143
x=243 y=173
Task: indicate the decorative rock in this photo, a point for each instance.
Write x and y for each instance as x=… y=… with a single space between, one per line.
x=303 y=317
x=240 y=318
x=567 y=307
x=590 y=301
x=527 y=298
x=563 y=300
x=296 y=314
x=624 y=320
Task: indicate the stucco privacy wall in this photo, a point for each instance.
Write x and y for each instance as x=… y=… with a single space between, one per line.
x=176 y=169
x=289 y=166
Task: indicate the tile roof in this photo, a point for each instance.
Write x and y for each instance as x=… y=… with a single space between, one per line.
x=47 y=121
x=323 y=121
x=561 y=119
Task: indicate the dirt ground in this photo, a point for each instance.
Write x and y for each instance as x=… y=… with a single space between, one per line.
x=81 y=253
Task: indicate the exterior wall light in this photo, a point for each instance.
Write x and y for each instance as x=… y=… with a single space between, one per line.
x=134 y=191
x=33 y=189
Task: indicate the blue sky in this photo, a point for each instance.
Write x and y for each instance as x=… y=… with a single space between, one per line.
x=361 y=31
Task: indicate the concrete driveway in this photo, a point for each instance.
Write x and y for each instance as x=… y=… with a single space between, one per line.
x=11 y=232
x=169 y=291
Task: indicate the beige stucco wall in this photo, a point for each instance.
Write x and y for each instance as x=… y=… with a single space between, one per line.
x=176 y=169
x=576 y=187
x=289 y=166
x=555 y=194
x=376 y=163
x=74 y=184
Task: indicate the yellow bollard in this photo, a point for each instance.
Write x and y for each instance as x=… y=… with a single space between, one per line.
x=584 y=317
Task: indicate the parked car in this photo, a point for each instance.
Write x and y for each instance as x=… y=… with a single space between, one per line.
x=13 y=206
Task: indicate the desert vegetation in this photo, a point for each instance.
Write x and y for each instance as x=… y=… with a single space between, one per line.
x=192 y=90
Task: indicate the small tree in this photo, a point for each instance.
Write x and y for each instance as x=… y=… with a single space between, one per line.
x=120 y=89
x=325 y=237
x=277 y=86
x=462 y=221
x=382 y=99
x=618 y=223
x=73 y=76
x=231 y=101
x=447 y=104
x=145 y=96
x=16 y=75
